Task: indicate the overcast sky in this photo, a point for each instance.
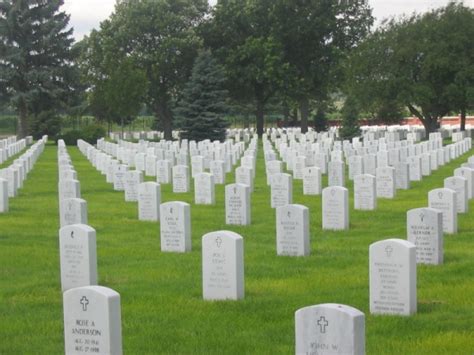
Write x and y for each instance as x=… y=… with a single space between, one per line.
x=87 y=14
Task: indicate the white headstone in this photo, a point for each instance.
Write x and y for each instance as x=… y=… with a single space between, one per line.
x=73 y=211
x=459 y=184
x=140 y=161
x=119 y=177
x=425 y=230
x=222 y=266
x=92 y=321
x=3 y=195
x=175 y=227
x=312 y=182
x=336 y=173
x=244 y=175
x=365 y=197
x=370 y=164
x=402 y=176
x=414 y=167
x=385 y=182
x=180 y=179
x=150 y=165
x=445 y=200
x=133 y=178
x=281 y=190
x=237 y=204
x=425 y=165
x=392 y=264
x=163 y=171
x=468 y=174
x=78 y=254
x=329 y=329
x=149 y=199
x=197 y=165
x=335 y=208
x=356 y=166
x=217 y=168
x=68 y=188
x=204 y=191
x=273 y=167
x=298 y=167
x=292 y=226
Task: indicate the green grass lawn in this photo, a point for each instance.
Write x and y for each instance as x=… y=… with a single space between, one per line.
x=162 y=307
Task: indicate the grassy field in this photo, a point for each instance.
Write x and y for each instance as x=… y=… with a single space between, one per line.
x=162 y=307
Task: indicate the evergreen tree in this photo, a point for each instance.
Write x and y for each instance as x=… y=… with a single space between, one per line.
x=350 y=116
x=35 y=58
x=204 y=103
x=320 y=119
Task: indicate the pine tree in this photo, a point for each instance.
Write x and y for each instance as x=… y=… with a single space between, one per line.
x=35 y=58
x=204 y=102
x=350 y=116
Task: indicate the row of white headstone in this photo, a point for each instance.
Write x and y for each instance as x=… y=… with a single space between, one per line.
x=410 y=161
x=204 y=183
x=92 y=313
x=10 y=146
x=158 y=158
x=13 y=176
x=367 y=187
x=72 y=208
x=128 y=180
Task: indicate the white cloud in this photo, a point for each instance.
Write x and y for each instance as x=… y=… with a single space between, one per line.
x=87 y=14
x=388 y=8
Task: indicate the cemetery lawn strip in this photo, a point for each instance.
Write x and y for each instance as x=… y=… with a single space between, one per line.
x=161 y=293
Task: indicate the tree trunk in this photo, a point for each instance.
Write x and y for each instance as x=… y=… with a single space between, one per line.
x=463 y=119
x=429 y=122
x=304 y=110
x=164 y=114
x=286 y=114
x=22 y=119
x=260 y=117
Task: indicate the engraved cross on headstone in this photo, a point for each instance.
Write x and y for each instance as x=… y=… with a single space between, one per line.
x=84 y=301
x=389 y=250
x=218 y=242
x=422 y=216
x=323 y=323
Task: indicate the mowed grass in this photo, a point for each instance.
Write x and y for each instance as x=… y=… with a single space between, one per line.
x=161 y=294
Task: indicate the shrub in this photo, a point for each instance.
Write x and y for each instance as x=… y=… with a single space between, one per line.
x=46 y=122
x=89 y=133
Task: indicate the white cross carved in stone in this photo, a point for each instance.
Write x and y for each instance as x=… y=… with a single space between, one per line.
x=323 y=323
x=84 y=301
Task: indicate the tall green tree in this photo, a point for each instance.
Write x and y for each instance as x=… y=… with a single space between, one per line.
x=457 y=29
x=160 y=36
x=315 y=36
x=117 y=86
x=350 y=119
x=204 y=101
x=239 y=33
x=423 y=62
x=35 y=57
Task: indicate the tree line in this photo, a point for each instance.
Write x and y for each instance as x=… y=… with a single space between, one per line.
x=190 y=64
